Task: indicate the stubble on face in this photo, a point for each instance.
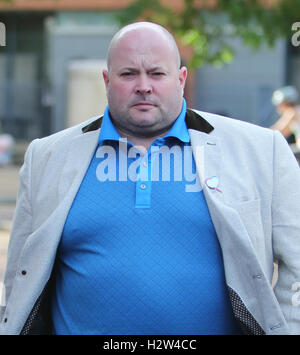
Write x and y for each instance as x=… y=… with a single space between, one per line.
x=150 y=111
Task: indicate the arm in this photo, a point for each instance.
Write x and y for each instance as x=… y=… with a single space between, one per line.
x=286 y=230
x=22 y=223
x=284 y=122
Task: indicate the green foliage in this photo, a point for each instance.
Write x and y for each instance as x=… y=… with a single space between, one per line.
x=208 y=31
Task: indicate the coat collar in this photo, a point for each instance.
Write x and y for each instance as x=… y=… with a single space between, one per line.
x=193 y=121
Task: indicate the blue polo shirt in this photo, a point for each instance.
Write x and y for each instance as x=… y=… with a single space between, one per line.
x=138 y=252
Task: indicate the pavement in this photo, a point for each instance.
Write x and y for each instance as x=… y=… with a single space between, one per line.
x=9 y=182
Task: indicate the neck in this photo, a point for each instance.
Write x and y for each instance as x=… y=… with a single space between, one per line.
x=144 y=142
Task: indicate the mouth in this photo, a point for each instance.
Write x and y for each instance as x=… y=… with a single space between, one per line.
x=143 y=105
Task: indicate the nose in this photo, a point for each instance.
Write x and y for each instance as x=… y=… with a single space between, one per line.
x=143 y=85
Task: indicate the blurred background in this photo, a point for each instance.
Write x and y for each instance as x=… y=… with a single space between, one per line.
x=52 y=53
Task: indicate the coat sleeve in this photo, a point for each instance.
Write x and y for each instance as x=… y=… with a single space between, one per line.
x=21 y=227
x=286 y=231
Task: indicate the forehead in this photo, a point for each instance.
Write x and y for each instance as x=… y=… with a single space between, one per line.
x=147 y=46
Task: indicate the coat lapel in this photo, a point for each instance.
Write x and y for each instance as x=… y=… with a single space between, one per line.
x=229 y=227
x=46 y=238
x=77 y=161
x=245 y=278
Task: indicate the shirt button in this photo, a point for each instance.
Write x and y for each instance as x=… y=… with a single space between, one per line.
x=145 y=164
x=24 y=272
x=143 y=186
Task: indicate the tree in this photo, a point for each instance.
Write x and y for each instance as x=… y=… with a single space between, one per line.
x=207 y=30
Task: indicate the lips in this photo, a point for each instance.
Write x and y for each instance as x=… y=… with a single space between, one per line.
x=143 y=104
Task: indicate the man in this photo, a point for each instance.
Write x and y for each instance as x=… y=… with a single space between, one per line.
x=164 y=221
x=286 y=102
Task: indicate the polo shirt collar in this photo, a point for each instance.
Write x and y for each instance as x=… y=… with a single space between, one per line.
x=108 y=130
x=178 y=130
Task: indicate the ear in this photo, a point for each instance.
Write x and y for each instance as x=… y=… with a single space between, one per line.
x=182 y=76
x=105 y=77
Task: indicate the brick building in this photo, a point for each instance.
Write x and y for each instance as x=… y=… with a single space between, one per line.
x=50 y=68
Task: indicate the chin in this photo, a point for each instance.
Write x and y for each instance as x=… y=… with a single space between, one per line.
x=144 y=119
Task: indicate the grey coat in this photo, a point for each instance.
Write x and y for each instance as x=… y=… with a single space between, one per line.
x=255 y=212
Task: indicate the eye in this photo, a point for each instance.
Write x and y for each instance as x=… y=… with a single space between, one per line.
x=126 y=74
x=158 y=74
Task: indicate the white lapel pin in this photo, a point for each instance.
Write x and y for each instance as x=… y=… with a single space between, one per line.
x=213 y=183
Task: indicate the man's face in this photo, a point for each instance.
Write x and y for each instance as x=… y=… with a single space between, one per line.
x=144 y=84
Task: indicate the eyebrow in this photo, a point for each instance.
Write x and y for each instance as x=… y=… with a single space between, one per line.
x=148 y=70
x=158 y=68
x=128 y=69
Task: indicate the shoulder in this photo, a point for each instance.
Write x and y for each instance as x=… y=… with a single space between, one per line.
x=62 y=138
x=244 y=144
x=237 y=132
x=224 y=123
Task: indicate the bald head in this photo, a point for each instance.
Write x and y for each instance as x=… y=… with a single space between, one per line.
x=144 y=81
x=147 y=30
